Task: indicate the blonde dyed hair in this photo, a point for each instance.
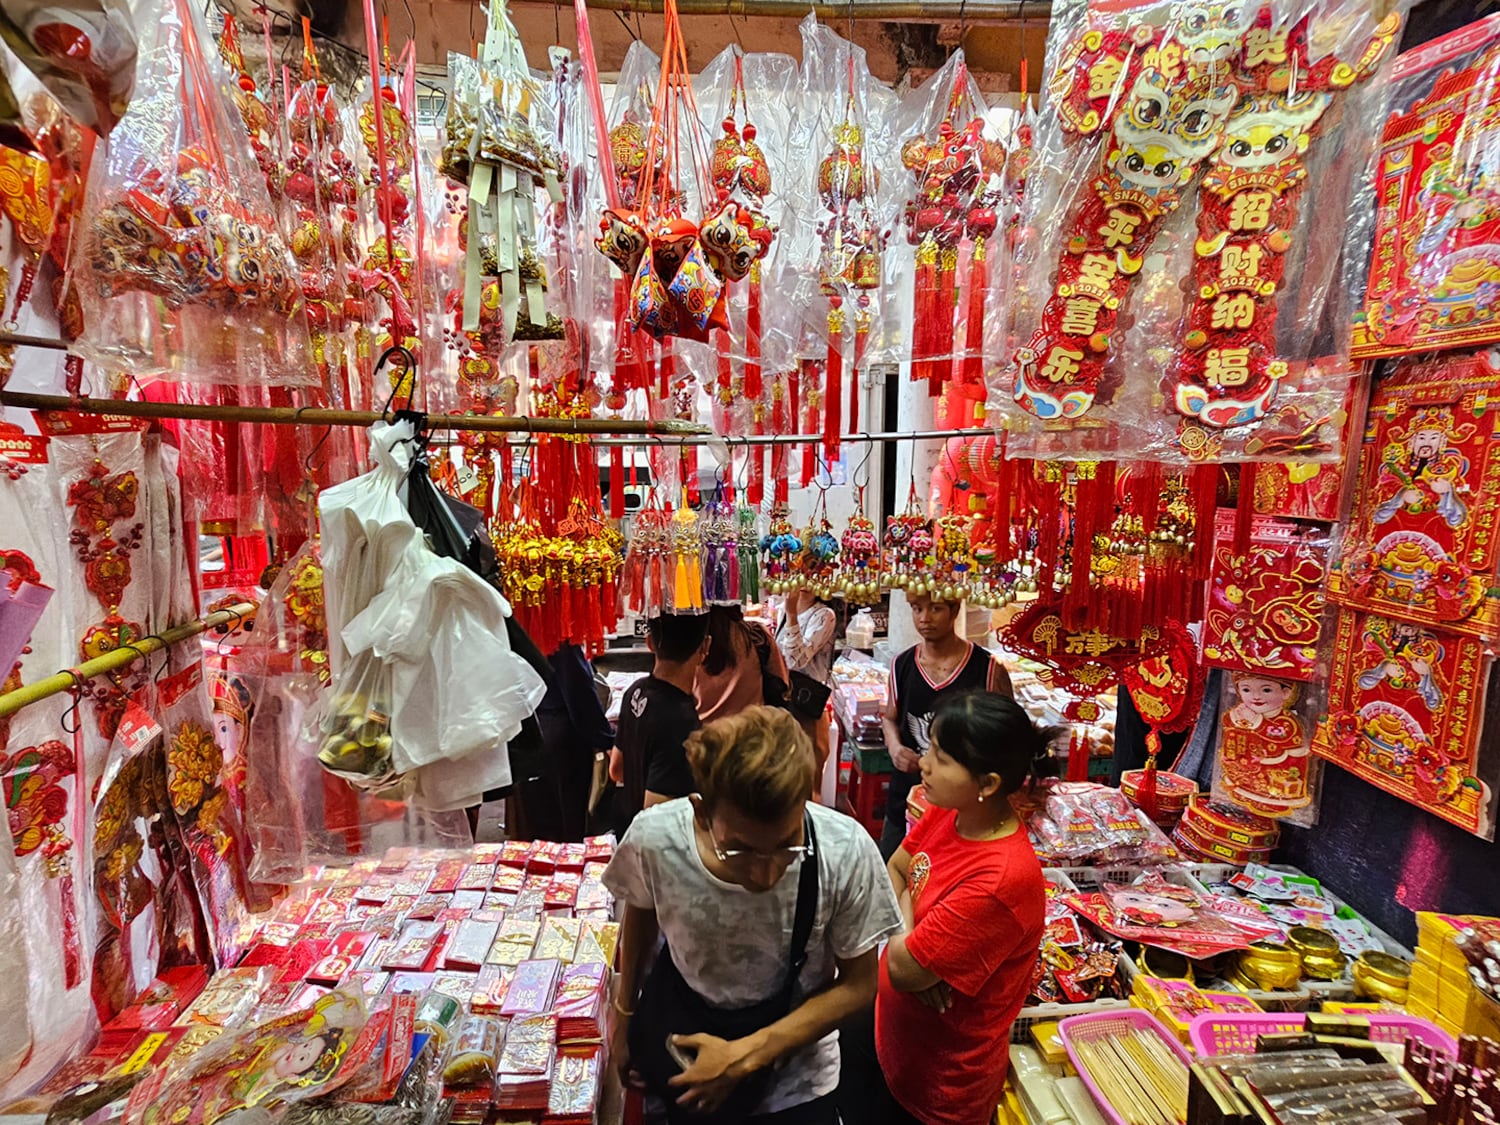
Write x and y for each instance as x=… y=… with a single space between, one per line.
x=760 y=761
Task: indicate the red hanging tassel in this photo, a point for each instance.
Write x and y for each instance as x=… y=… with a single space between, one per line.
x=726 y=371
x=617 y=482
x=1245 y=509
x=793 y=401
x=1078 y=757
x=1145 y=797
x=924 y=308
x=945 y=301
x=752 y=337
x=833 y=391
x=782 y=488
x=862 y=320
x=970 y=391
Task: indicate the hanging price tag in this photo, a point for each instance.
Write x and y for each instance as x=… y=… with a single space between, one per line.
x=468 y=479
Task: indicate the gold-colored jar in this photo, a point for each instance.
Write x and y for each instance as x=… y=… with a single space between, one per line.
x=1322 y=959
x=1267 y=966
x=1380 y=976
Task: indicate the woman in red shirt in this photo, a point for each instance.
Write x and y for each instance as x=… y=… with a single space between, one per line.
x=973 y=899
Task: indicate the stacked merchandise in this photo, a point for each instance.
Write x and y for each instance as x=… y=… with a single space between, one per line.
x=1333 y=1072
x=498 y=956
x=1173 y=793
x=1450 y=983
x=1176 y=1003
x=1074 y=823
x=1212 y=832
x=1075 y=966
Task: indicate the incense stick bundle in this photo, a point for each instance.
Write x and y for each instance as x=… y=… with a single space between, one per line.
x=1145 y=1082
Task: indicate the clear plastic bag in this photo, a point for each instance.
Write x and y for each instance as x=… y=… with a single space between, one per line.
x=298 y=815
x=1167 y=323
x=181 y=265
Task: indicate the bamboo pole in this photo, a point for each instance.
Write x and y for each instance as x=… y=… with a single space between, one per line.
x=27 y=694
x=316 y=416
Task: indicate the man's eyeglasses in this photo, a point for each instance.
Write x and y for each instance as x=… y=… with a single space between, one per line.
x=775 y=855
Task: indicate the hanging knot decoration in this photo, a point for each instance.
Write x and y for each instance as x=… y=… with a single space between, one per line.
x=952 y=558
x=747 y=543
x=687 y=561
x=860 y=576
x=907 y=542
x=100 y=501
x=779 y=549
x=648 y=590
x=952 y=202
x=721 y=555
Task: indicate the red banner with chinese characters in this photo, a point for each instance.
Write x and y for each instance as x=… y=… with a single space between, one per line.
x=1435 y=271
x=1265 y=606
x=1406 y=709
x=1421 y=539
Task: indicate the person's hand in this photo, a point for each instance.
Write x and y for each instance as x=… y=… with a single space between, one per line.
x=718 y=1067
x=906 y=760
x=619 y=1051
x=939 y=997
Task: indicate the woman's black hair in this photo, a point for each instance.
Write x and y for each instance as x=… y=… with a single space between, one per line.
x=989 y=733
x=729 y=638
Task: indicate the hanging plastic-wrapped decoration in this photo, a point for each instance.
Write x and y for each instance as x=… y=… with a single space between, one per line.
x=181 y=265
x=849 y=261
x=953 y=165
x=647 y=589
x=512 y=156
x=1227 y=369
x=677 y=288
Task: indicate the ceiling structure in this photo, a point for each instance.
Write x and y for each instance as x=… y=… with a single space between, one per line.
x=905 y=39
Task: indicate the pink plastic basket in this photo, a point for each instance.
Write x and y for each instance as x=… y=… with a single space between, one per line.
x=1101 y=1025
x=1220 y=1033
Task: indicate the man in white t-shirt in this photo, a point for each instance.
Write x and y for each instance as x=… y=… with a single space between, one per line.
x=717 y=875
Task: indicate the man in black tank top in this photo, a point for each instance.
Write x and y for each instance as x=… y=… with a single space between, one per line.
x=942 y=664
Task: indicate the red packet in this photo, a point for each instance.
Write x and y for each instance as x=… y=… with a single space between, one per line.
x=452 y=915
x=600 y=847
x=161 y=1004
x=470 y=944
x=545 y=856
x=427 y=908
x=593 y=896
x=414 y=883
x=490 y=853
x=418 y=983
x=596 y=943
x=414 y=947
x=279 y=933
x=456 y=984
x=476 y=877
x=326 y=910
x=515 y=941
x=558 y=940
x=445 y=878
x=574 y=1096
x=580 y=1003
x=488 y=914
x=532 y=988
x=402 y=904
x=515 y=853
x=154 y=1050
x=467 y=901
x=530 y=903
x=510 y=879
x=263 y=953
x=75 y=1072
x=361 y=911
x=301 y=958
x=572 y=857
x=391 y=1045
x=489 y=989
x=377 y=893
x=562 y=890
x=229 y=997
x=594 y=872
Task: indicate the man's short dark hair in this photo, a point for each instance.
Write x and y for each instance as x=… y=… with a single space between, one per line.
x=677 y=636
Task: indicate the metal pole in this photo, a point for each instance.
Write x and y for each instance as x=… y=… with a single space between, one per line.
x=315 y=416
x=941 y=11
x=13 y=701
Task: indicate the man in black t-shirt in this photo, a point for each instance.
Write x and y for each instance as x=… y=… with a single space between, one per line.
x=658 y=713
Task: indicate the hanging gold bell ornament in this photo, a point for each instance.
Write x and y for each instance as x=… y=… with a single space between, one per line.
x=816 y=566
x=859 y=577
x=779 y=549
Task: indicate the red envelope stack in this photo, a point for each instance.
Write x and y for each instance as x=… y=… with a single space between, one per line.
x=525 y=1080
x=580 y=1004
